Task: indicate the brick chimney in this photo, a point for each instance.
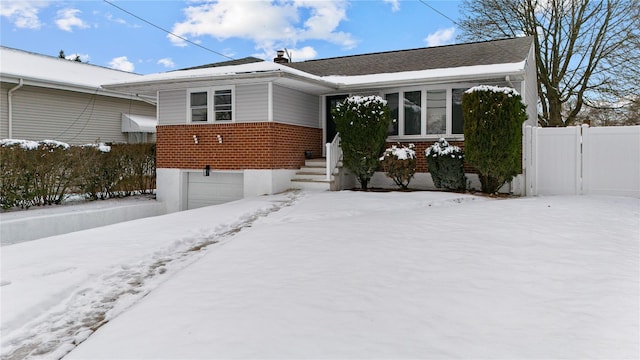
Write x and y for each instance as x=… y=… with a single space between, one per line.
x=280 y=59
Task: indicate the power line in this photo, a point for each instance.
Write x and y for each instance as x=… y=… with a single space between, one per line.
x=167 y=31
x=439 y=12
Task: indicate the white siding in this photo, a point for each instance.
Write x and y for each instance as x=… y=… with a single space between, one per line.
x=4 y=111
x=295 y=107
x=72 y=117
x=252 y=103
x=172 y=107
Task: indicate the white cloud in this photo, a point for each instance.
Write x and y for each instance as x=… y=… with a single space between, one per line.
x=395 y=4
x=167 y=62
x=67 y=19
x=23 y=14
x=121 y=63
x=440 y=37
x=121 y=21
x=305 y=53
x=270 y=25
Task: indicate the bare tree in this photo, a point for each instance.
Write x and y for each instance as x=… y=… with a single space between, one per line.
x=587 y=51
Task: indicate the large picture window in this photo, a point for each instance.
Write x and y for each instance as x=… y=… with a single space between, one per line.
x=425 y=112
x=211 y=105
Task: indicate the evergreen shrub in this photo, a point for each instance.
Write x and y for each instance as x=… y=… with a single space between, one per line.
x=399 y=163
x=493 y=118
x=362 y=122
x=446 y=166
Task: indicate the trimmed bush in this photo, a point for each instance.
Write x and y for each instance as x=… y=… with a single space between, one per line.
x=44 y=173
x=493 y=118
x=362 y=122
x=399 y=163
x=446 y=166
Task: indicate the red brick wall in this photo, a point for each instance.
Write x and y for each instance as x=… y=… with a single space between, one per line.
x=421 y=146
x=264 y=145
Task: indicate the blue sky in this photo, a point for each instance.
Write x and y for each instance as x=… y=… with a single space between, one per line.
x=102 y=34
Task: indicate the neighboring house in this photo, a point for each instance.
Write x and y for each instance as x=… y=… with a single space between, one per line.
x=45 y=97
x=227 y=132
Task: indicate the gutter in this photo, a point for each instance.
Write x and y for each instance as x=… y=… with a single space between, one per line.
x=10 y=106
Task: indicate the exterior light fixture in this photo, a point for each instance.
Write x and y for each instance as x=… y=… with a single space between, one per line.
x=219 y=138
x=195 y=139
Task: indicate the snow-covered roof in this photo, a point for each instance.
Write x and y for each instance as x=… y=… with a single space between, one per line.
x=54 y=72
x=324 y=75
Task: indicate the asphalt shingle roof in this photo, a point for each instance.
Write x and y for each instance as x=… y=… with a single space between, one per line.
x=245 y=60
x=440 y=57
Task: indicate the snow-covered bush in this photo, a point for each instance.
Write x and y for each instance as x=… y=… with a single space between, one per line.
x=34 y=173
x=399 y=163
x=45 y=172
x=362 y=122
x=446 y=166
x=493 y=118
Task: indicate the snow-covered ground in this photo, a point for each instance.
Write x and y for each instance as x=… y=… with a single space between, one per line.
x=336 y=275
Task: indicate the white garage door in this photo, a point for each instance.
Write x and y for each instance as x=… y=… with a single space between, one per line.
x=217 y=188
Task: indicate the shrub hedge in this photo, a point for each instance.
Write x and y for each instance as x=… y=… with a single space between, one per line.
x=45 y=172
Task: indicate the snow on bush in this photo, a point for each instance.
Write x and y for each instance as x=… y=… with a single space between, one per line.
x=399 y=163
x=446 y=165
x=362 y=122
x=35 y=173
x=102 y=147
x=510 y=92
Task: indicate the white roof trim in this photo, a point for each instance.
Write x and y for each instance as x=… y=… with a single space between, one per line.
x=272 y=70
x=138 y=123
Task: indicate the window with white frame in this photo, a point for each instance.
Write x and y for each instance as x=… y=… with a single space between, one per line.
x=211 y=104
x=425 y=112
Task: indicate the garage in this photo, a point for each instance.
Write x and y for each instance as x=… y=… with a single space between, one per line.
x=217 y=188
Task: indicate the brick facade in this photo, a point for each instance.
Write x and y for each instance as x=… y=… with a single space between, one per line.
x=263 y=145
x=421 y=146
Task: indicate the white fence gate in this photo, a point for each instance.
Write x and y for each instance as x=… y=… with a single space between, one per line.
x=583 y=160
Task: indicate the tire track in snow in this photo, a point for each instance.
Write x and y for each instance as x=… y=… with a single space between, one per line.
x=58 y=331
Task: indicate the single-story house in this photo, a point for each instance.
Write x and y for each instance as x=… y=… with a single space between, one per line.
x=46 y=97
x=232 y=131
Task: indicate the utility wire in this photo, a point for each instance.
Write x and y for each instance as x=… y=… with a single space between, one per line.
x=167 y=31
x=438 y=11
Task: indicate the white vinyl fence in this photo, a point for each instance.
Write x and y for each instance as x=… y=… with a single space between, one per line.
x=583 y=160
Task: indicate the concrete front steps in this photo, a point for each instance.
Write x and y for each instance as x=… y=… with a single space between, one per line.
x=312 y=176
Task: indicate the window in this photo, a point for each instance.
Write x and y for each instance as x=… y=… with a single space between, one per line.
x=211 y=104
x=436 y=112
x=392 y=103
x=457 y=122
x=412 y=112
x=426 y=112
x=198 y=106
x=222 y=105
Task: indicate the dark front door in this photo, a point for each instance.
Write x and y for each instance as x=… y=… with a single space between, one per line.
x=331 y=103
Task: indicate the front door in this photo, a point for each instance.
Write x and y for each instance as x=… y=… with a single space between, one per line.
x=330 y=128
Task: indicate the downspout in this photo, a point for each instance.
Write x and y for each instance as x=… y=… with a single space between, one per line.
x=508 y=80
x=10 y=106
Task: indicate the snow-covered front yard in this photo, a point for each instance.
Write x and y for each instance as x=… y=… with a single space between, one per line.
x=336 y=275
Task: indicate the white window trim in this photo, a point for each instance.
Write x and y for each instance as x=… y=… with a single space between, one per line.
x=210 y=104
x=423 y=115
